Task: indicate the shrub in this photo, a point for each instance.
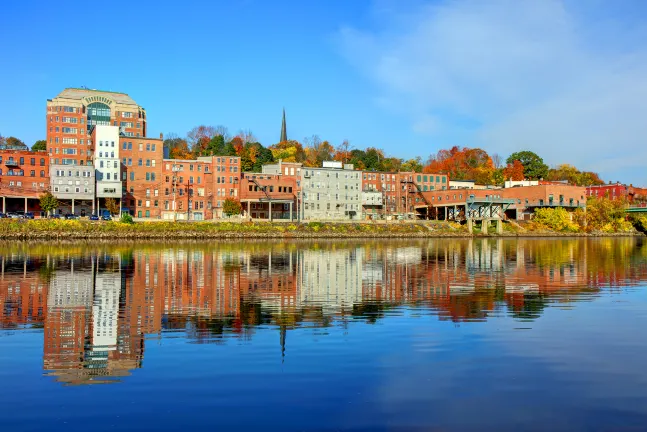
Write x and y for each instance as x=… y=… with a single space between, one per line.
x=126 y=218
x=557 y=219
x=603 y=214
x=640 y=223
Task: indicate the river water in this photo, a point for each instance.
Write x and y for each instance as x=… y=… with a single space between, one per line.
x=447 y=334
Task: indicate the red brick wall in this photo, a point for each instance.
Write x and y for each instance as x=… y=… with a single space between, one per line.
x=143 y=184
x=30 y=173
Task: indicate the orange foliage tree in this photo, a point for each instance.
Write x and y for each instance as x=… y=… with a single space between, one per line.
x=462 y=164
x=514 y=171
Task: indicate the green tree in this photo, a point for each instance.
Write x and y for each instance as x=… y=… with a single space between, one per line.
x=40 y=145
x=48 y=202
x=534 y=167
x=231 y=207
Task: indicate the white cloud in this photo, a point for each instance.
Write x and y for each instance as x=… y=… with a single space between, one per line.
x=536 y=74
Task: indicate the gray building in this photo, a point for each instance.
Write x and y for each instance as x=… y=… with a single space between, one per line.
x=74 y=187
x=332 y=192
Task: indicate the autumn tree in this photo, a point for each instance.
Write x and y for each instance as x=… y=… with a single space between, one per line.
x=15 y=143
x=342 y=152
x=569 y=173
x=317 y=151
x=40 y=145
x=112 y=206
x=414 y=165
x=514 y=171
x=288 y=151
x=231 y=207
x=534 y=167
x=462 y=164
x=177 y=147
x=199 y=136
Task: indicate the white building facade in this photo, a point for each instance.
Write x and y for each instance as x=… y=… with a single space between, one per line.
x=332 y=192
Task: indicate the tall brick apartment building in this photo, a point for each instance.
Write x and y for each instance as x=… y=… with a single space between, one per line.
x=72 y=114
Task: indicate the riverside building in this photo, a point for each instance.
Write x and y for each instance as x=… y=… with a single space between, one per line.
x=332 y=192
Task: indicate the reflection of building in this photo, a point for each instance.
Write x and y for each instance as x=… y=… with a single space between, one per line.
x=23 y=292
x=331 y=279
x=97 y=308
x=67 y=327
x=105 y=313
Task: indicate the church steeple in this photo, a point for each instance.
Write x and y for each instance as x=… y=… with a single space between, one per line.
x=284 y=132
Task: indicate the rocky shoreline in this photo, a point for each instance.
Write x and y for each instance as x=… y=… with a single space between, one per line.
x=115 y=231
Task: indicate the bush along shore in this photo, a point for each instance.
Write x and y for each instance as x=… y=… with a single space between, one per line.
x=45 y=229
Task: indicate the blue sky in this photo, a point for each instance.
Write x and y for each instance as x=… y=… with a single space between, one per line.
x=567 y=79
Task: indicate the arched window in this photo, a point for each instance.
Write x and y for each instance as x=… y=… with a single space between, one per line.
x=98 y=114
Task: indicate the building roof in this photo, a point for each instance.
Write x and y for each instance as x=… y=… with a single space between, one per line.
x=80 y=93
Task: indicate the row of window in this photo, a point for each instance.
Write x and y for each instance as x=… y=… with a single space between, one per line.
x=150 y=176
x=128 y=145
x=68 y=189
x=21 y=161
x=281 y=189
x=313 y=206
x=56 y=140
x=425 y=179
x=75 y=173
x=19 y=184
x=317 y=196
x=351 y=175
x=65 y=120
x=12 y=173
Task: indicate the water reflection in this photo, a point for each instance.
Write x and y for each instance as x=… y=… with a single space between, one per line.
x=99 y=304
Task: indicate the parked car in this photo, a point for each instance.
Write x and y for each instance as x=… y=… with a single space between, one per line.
x=29 y=215
x=14 y=215
x=2 y=215
x=55 y=216
x=106 y=217
x=71 y=216
x=94 y=217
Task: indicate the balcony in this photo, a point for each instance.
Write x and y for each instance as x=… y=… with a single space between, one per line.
x=12 y=162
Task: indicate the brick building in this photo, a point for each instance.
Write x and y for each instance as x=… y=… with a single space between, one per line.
x=526 y=199
x=223 y=182
x=268 y=196
x=186 y=189
x=72 y=114
x=141 y=175
x=616 y=191
x=401 y=192
x=24 y=176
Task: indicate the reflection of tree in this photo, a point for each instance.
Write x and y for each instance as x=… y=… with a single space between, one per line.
x=532 y=307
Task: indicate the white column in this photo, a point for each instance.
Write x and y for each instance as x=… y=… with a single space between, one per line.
x=72 y=205
x=25 y=204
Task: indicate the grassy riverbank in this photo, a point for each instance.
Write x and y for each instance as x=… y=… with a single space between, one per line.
x=76 y=229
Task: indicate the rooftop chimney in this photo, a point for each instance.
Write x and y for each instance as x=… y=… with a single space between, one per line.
x=161 y=136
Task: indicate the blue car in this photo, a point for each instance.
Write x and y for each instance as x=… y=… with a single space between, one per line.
x=106 y=217
x=94 y=217
x=29 y=215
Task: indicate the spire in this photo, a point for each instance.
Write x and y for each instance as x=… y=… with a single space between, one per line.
x=284 y=132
